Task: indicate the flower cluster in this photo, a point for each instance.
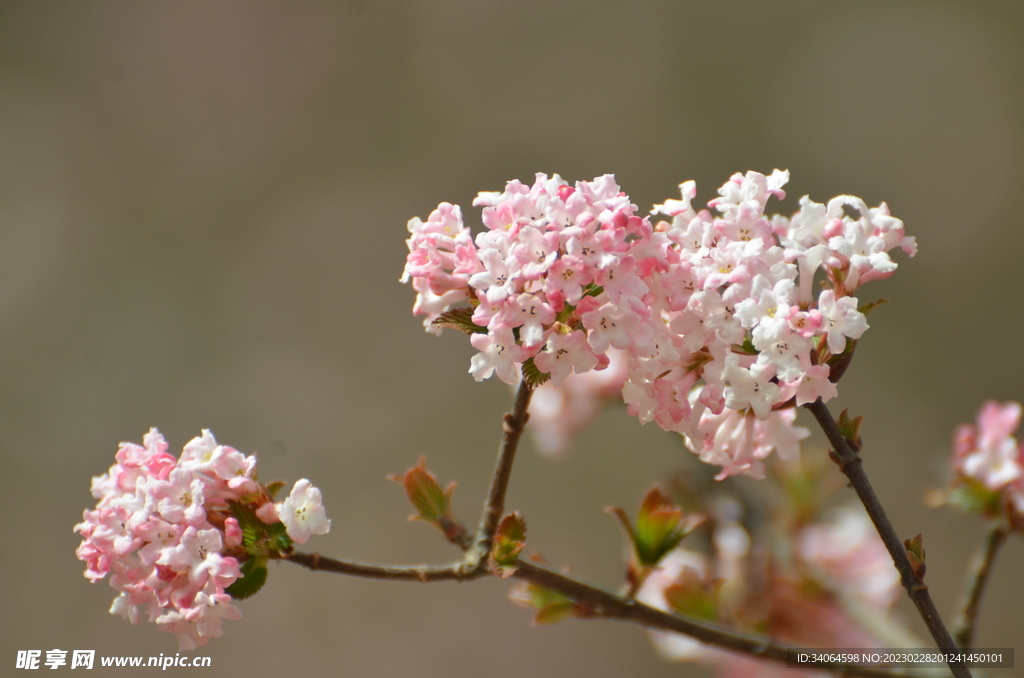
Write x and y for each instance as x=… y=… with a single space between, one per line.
x=173 y=532
x=716 y=313
x=988 y=463
x=553 y=280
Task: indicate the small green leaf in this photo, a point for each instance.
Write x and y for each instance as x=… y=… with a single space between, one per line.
x=551 y=606
x=509 y=541
x=972 y=496
x=252 y=527
x=915 y=551
x=432 y=504
x=254 y=576
x=533 y=376
x=747 y=346
x=554 y=613
x=258 y=538
x=565 y=314
x=460 y=319
x=850 y=428
x=425 y=492
x=867 y=308
x=694 y=596
x=660 y=527
x=277 y=538
x=275 y=487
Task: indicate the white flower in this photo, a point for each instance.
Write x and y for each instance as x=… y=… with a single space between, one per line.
x=302 y=513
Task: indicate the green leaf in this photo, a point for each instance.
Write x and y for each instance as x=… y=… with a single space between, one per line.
x=258 y=538
x=850 y=427
x=460 y=319
x=660 y=527
x=556 y=612
x=551 y=606
x=693 y=596
x=867 y=308
x=565 y=314
x=509 y=541
x=915 y=551
x=277 y=538
x=252 y=527
x=254 y=576
x=275 y=487
x=972 y=496
x=425 y=493
x=747 y=346
x=533 y=376
x=432 y=504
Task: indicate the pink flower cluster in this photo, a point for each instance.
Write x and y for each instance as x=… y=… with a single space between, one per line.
x=715 y=312
x=164 y=531
x=988 y=453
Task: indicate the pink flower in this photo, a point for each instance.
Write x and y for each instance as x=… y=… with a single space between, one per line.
x=208 y=613
x=499 y=353
x=739 y=442
x=180 y=497
x=988 y=452
x=198 y=554
x=231 y=465
x=564 y=354
x=847 y=554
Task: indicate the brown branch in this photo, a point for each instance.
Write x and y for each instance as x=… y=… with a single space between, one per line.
x=474 y=565
x=599 y=603
x=850 y=464
x=513 y=424
x=980 y=571
x=460 y=571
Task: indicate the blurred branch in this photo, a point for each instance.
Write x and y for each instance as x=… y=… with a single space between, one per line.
x=597 y=601
x=850 y=464
x=980 y=571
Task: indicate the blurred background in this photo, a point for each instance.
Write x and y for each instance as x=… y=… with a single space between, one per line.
x=202 y=215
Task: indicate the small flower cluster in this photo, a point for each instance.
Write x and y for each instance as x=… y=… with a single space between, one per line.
x=167 y=531
x=554 y=280
x=988 y=463
x=716 y=313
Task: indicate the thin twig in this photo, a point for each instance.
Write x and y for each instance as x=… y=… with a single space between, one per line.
x=512 y=425
x=980 y=571
x=851 y=466
x=423 y=573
